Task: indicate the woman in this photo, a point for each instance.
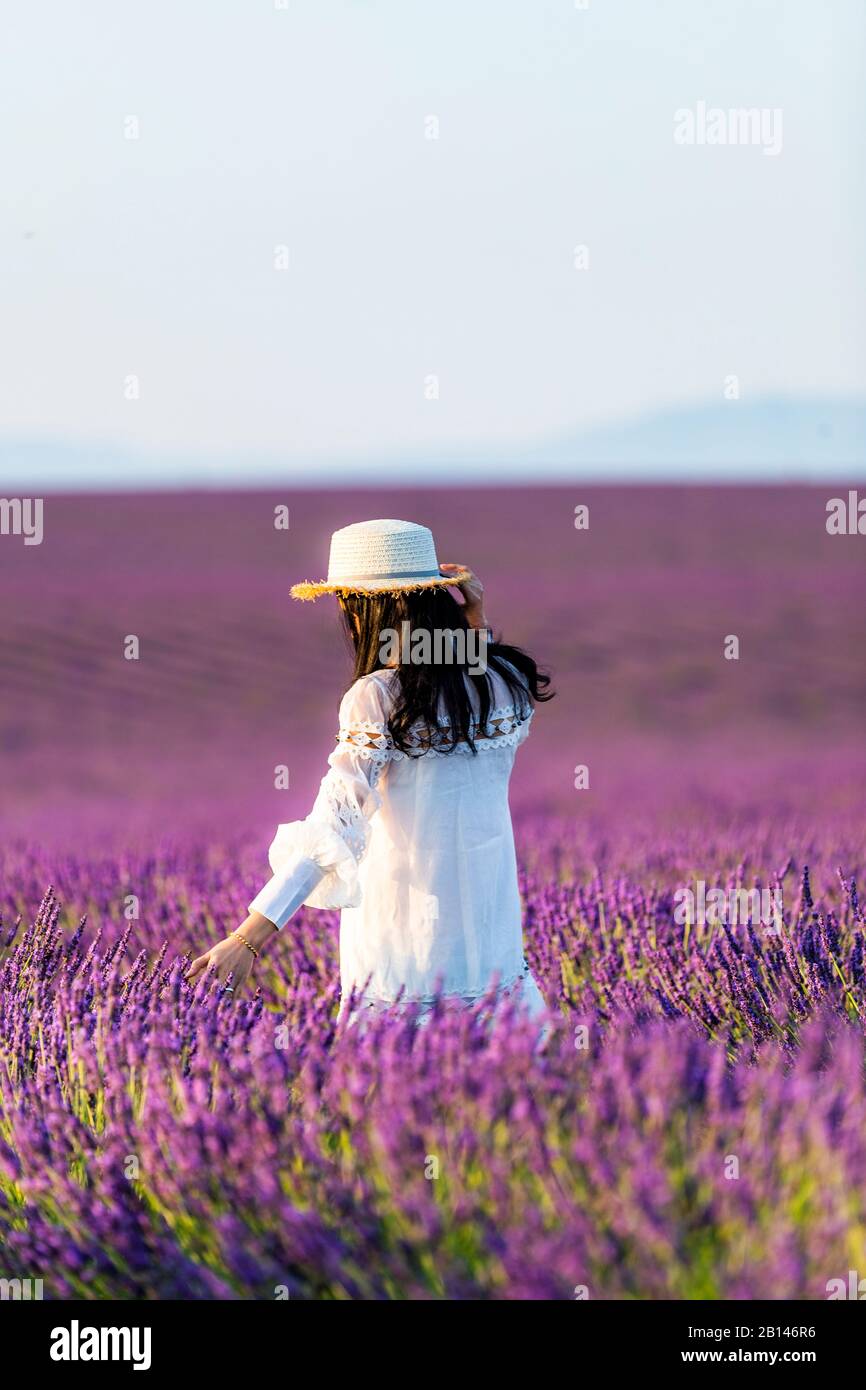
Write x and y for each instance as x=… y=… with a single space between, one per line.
x=410 y=834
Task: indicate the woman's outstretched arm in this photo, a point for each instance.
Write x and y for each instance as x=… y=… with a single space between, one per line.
x=268 y=912
x=315 y=861
x=237 y=954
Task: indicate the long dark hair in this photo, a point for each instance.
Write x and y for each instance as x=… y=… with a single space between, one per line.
x=433 y=691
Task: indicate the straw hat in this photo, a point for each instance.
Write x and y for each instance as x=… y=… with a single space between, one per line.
x=381 y=557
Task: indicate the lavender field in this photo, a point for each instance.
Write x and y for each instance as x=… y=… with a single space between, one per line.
x=695 y=1125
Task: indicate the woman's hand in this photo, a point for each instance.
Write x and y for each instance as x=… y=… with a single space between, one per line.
x=231 y=956
x=473 y=596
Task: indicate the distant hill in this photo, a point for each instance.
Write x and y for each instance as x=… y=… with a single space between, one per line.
x=770 y=439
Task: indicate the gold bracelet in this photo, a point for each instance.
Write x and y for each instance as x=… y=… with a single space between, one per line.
x=246 y=943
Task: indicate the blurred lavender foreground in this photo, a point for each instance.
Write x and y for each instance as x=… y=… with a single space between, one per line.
x=696 y=1127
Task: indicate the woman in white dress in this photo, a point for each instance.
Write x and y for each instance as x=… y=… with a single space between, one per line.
x=410 y=834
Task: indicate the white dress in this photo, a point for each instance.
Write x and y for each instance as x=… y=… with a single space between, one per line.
x=418 y=852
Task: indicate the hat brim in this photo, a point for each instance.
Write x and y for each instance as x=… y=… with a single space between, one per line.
x=308 y=591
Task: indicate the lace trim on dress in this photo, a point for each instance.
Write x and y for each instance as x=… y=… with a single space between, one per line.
x=349 y=820
x=461 y=998
x=503 y=729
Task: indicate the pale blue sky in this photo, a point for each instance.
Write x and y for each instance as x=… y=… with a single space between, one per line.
x=305 y=126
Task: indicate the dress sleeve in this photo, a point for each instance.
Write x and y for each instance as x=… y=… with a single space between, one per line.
x=315 y=861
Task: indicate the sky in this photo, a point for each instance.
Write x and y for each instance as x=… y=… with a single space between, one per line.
x=430 y=300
